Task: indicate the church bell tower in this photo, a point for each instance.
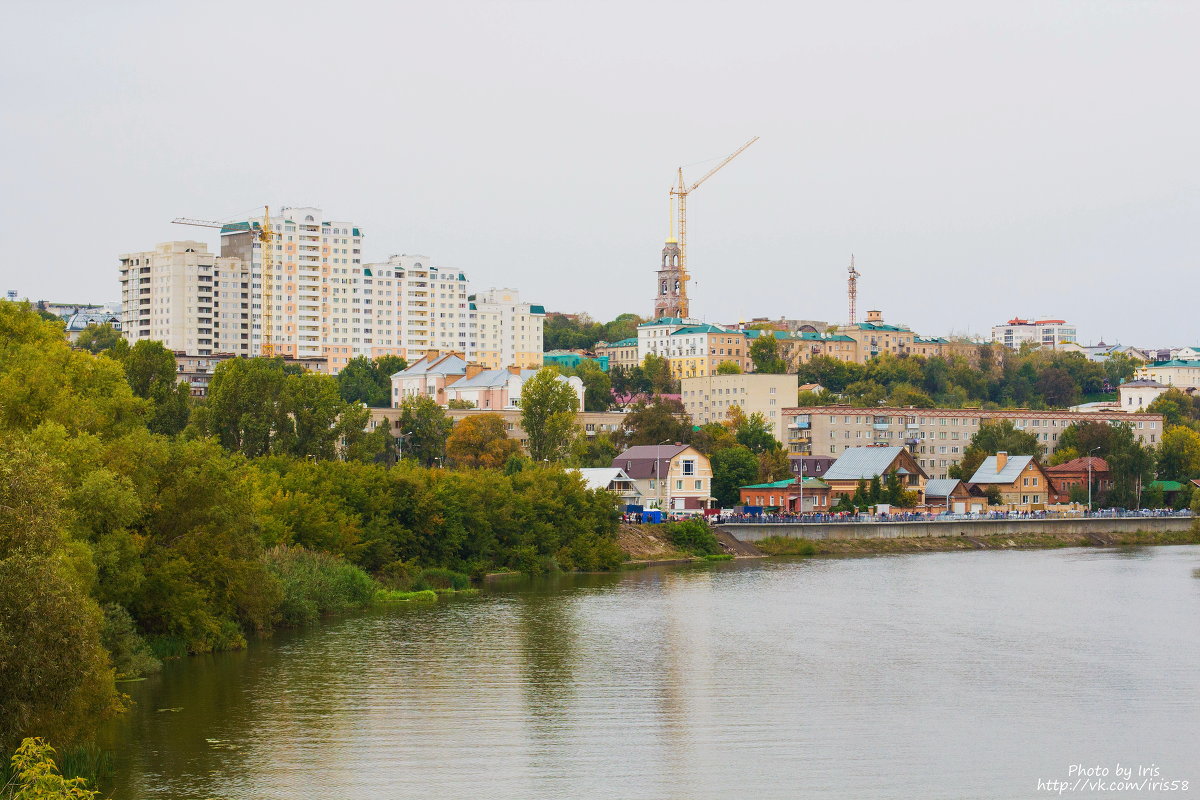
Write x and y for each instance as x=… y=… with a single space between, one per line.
x=670 y=295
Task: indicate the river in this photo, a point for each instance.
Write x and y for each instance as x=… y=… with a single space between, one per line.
x=944 y=675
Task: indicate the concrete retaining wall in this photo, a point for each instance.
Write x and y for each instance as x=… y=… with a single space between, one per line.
x=749 y=532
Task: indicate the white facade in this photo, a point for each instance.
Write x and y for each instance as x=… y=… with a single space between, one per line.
x=1043 y=333
x=325 y=302
x=423 y=307
x=509 y=332
x=187 y=298
x=1178 y=374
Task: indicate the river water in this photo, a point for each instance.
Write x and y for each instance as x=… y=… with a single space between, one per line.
x=950 y=675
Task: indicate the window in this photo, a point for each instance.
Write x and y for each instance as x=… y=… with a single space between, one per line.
x=679 y=485
x=689 y=466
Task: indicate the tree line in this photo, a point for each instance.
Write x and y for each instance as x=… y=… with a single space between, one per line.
x=141 y=523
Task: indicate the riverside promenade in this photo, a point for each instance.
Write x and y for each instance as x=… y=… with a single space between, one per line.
x=747 y=531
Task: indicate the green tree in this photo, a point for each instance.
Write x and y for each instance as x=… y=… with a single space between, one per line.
x=1179 y=454
x=43 y=380
x=753 y=432
x=597 y=386
x=773 y=465
x=55 y=676
x=729 y=368
x=245 y=408
x=658 y=378
x=151 y=372
x=36 y=776
x=733 y=468
x=1121 y=367
x=548 y=406
x=710 y=437
x=359 y=381
x=1176 y=406
x=594 y=451
x=764 y=352
x=663 y=420
x=102 y=338
x=480 y=440
x=425 y=428
x=1058 y=387
x=388 y=365
x=992 y=438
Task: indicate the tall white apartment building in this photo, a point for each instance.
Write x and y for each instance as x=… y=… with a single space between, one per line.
x=431 y=310
x=508 y=332
x=1041 y=332
x=326 y=303
x=187 y=298
x=312 y=256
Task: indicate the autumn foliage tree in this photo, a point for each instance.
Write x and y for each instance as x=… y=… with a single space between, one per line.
x=480 y=440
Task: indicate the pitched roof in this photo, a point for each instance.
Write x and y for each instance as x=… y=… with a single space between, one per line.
x=1078 y=465
x=630 y=342
x=601 y=477
x=639 y=461
x=444 y=364
x=663 y=321
x=862 y=463
x=987 y=473
x=489 y=377
x=941 y=487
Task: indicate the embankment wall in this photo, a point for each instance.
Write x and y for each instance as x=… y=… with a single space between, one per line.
x=751 y=532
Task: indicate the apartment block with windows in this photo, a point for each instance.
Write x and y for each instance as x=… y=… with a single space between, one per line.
x=937 y=437
x=692 y=349
x=311 y=257
x=189 y=299
x=709 y=398
x=419 y=307
x=508 y=332
x=1041 y=332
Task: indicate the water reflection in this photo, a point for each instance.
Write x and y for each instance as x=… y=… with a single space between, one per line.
x=885 y=677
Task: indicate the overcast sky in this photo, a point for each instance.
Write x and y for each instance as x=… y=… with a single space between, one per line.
x=981 y=159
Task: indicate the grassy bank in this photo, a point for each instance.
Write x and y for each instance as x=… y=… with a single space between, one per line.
x=785 y=546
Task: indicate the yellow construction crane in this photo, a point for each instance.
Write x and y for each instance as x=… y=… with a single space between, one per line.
x=266 y=239
x=680 y=192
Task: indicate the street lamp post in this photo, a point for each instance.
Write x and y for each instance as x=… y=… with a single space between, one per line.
x=400 y=445
x=658 y=473
x=1094 y=449
x=801 y=487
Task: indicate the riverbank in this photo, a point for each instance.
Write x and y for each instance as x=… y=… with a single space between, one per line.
x=791 y=546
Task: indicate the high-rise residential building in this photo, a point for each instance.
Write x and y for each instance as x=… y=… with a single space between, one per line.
x=423 y=307
x=509 y=332
x=326 y=303
x=315 y=265
x=189 y=299
x=1041 y=332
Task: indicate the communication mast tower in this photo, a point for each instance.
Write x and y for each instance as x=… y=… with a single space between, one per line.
x=852 y=289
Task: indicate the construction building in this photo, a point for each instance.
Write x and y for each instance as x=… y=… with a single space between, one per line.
x=324 y=302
